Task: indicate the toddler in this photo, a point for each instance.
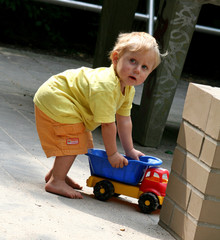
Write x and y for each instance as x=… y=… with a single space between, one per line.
x=69 y=105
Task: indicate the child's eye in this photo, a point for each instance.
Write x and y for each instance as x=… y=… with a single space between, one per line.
x=144 y=67
x=132 y=60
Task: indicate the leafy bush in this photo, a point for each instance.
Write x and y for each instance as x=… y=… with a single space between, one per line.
x=45 y=26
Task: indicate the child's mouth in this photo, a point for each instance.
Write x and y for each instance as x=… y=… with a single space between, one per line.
x=131 y=77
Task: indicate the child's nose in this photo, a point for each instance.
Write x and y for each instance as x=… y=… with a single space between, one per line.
x=137 y=69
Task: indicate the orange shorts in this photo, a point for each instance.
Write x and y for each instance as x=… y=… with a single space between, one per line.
x=60 y=139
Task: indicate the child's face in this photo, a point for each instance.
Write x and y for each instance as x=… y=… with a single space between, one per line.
x=133 y=68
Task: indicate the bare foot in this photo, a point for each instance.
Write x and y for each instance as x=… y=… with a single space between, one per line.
x=68 y=180
x=72 y=183
x=62 y=188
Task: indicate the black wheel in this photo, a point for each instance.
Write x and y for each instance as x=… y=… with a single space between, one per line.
x=148 y=202
x=116 y=194
x=103 y=190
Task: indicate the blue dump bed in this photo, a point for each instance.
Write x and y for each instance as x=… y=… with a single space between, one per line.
x=130 y=174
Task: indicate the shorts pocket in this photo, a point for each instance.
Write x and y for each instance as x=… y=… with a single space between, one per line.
x=70 y=136
x=69 y=129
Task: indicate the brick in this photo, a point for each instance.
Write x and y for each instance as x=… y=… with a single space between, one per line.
x=177 y=223
x=190 y=138
x=197 y=105
x=213 y=123
x=213 y=185
x=193 y=230
x=182 y=225
x=211 y=153
x=210 y=212
x=202 y=107
x=178 y=191
x=195 y=205
x=204 y=210
x=205 y=232
x=188 y=229
x=179 y=157
x=195 y=173
x=201 y=176
x=166 y=211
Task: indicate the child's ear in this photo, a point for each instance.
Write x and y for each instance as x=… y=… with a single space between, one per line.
x=115 y=58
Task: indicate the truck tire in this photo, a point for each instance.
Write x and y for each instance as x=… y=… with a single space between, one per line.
x=103 y=190
x=148 y=202
x=116 y=194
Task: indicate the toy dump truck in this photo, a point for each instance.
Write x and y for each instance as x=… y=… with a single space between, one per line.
x=142 y=179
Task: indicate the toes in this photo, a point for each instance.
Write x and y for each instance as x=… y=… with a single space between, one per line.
x=76 y=195
x=73 y=184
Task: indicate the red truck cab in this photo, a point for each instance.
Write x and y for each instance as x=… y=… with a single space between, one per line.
x=153 y=187
x=155 y=181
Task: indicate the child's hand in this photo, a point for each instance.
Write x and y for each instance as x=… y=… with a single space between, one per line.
x=117 y=160
x=134 y=154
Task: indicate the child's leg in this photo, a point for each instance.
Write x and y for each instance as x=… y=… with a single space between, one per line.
x=66 y=140
x=68 y=180
x=57 y=182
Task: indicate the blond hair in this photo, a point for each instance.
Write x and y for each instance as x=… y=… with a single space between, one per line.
x=136 y=41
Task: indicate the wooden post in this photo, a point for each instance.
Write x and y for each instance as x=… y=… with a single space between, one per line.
x=174 y=29
x=116 y=16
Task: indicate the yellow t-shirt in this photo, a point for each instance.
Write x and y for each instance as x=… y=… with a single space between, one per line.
x=91 y=96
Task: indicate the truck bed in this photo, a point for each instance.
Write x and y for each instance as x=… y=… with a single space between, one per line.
x=131 y=174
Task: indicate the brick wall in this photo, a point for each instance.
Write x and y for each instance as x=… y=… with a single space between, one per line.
x=191 y=208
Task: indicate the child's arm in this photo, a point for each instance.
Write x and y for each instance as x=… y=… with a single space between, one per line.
x=124 y=125
x=109 y=132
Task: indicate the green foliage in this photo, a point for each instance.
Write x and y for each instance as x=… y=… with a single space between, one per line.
x=33 y=12
x=12 y=4
x=45 y=26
